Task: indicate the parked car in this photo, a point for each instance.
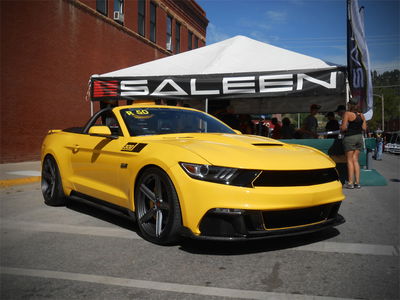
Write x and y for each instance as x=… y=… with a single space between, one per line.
x=181 y=172
x=393 y=146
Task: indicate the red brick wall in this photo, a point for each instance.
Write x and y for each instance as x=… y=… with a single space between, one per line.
x=49 y=50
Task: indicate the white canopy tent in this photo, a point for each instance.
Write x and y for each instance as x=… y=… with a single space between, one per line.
x=255 y=77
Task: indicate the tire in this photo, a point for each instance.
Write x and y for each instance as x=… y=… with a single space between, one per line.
x=51 y=184
x=157 y=207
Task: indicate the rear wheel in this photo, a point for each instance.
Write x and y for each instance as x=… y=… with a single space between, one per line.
x=52 y=190
x=157 y=207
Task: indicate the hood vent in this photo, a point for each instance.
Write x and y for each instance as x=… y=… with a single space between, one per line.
x=266 y=144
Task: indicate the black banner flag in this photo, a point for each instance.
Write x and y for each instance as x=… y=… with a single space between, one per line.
x=358 y=63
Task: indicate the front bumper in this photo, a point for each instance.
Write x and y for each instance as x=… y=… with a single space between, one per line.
x=200 y=200
x=234 y=224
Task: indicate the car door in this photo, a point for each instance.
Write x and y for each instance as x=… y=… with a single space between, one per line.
x=96 y=162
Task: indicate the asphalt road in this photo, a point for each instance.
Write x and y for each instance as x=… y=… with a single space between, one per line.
x=82 y=252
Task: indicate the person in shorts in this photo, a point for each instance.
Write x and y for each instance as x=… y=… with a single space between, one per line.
x=353 y=125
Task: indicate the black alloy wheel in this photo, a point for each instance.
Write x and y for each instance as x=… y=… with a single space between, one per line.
x=51 y=185
x=157 y=207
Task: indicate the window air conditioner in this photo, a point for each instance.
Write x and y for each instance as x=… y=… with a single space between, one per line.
x=118 y=16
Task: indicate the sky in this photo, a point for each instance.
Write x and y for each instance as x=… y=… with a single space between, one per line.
x=312 y=27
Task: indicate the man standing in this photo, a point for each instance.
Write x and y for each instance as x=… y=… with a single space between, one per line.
x=340 y=110
x=310 y=124
x=379 y=144
x=331 y=125
x=276 y=133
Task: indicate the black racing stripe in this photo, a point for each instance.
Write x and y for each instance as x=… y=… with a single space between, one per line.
x=139 y=147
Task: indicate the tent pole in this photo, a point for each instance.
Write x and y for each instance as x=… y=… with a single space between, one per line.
x=91 y=108
x=298 y=120
x=206 y=104
x=347 y=91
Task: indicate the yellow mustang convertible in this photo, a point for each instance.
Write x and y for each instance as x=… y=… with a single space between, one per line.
x=181 y=172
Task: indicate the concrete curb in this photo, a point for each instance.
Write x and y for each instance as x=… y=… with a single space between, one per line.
x=18 y=181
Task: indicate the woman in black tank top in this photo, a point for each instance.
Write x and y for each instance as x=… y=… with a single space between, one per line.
x=353 y=124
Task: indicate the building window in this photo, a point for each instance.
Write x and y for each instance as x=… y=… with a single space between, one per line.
x=177 y=37
x=169 y=33
x=196 y=42
x=141 y=17
x=119 y=11
x=153 y=22
x=101 y=6
x=190 y=38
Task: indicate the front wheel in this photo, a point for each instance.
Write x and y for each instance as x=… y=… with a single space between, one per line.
x=52 y=190
x=157 y=207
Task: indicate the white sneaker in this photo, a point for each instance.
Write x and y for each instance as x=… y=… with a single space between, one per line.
x=348 y=185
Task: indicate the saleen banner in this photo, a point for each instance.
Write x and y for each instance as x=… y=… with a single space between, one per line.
x=222 y=86
x=358 y=59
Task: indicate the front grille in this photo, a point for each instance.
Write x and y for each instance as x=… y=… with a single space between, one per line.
x=296 y=178
x=259 y=223
x=298 y=217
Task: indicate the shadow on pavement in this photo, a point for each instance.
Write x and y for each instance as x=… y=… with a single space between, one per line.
x=103 y=213
x=204 y=247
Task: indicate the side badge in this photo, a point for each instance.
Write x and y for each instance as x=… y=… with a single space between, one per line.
x=129 y=147
x=133 y=147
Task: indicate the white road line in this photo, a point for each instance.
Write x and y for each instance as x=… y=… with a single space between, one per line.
x=159 y=286
x=118 y=232
x=25 y=173
x=352 y=248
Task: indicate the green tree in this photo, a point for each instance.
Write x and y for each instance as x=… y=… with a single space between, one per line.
x=388 y=86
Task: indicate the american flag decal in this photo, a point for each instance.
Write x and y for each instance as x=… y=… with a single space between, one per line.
x=105 y=88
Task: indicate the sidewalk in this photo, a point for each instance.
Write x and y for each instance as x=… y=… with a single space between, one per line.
x=19 y=173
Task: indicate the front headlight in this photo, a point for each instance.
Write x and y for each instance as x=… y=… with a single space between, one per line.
x=223 y=175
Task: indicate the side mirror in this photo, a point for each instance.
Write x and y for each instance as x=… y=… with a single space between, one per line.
x=102 y=131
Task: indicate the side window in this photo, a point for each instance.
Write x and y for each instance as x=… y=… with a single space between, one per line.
x=141 y=17
x=169 y=33
x=153 y=21
x=101 y=6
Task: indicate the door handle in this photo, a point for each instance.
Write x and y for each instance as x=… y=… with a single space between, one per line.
x=75 y=148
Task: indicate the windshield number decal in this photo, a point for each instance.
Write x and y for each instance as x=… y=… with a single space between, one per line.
x=142 y=112
x=139 y=114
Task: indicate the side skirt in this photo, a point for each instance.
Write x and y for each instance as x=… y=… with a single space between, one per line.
x=107 y=206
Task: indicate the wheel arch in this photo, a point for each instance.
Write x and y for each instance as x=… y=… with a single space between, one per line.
x=139 y=174
x=67 y=188
x=153 y=171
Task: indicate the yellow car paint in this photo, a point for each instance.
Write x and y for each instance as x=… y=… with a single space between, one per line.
x=108 y=168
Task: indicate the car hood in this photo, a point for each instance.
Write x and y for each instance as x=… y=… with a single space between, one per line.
x=250 y=152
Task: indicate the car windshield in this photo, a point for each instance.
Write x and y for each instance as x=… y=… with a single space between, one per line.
x=153 y=120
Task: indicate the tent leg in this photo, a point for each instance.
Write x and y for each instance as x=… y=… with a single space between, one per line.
x=91 y=108
x=206 y=104
x=298 y=121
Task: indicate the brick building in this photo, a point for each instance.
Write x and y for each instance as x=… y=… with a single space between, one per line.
x=49 y=50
